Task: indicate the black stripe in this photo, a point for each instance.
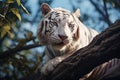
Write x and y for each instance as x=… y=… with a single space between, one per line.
x=45 y=27
x=42 y=25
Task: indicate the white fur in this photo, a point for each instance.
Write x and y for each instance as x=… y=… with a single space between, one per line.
x=80 y=37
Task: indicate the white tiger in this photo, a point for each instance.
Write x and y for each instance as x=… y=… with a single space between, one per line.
x=63 y=34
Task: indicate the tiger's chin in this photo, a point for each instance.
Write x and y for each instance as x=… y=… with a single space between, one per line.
x=61 y=46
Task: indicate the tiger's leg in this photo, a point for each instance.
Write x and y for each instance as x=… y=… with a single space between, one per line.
x=51 y=64
x=103 y=70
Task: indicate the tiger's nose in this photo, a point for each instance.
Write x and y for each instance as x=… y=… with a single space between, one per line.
x=63 y=37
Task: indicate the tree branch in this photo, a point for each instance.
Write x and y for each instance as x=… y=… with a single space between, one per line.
x=104 y=47
x=106 y=13
x=13 y=51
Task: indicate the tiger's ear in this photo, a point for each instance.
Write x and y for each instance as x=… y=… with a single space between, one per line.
x=77 y=13
x=45 y=8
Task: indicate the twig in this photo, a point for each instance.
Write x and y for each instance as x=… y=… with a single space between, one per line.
x=6 y=8
x=13 y=51
x=100 y=11
x=106 y=13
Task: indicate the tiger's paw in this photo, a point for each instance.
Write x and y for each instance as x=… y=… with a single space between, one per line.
x=50 y=66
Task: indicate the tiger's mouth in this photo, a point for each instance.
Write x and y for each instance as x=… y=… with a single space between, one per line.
x=62 y=43
x=59 y=44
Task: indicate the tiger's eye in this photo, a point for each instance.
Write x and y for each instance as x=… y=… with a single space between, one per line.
x=71 y=26
x=55 y=23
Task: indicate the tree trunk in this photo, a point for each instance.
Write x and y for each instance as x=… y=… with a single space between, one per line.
x=103 y=48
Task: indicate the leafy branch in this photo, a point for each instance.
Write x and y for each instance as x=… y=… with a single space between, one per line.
x=9 y=15
x=13 y=51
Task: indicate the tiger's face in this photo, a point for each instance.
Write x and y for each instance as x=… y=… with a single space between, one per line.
x=57 y=28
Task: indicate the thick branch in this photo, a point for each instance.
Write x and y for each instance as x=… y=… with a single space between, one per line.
x=104 y=47
x=13 y=51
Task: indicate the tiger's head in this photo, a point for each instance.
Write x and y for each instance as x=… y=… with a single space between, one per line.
x=58 y=27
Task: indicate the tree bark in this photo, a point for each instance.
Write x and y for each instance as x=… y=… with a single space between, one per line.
x=103 y=48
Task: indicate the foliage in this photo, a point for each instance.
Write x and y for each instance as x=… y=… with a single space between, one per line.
x=18 y=59
x=9 y=13
x=15 y=64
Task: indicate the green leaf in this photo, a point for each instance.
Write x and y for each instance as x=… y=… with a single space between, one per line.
x=5 y=29
x=2 y=16
x=11 y=35
x=10 y=1
x=18 y=2
x=25 y=10
x=29 y=35
x=2 y=34
x=16 y=12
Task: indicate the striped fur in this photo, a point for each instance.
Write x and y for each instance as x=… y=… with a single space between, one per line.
x=62 y=33
x=103 y=70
